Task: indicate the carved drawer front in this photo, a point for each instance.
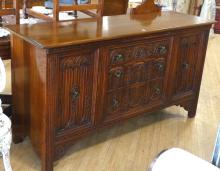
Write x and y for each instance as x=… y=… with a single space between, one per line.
x=139 y=51
x=75 y=87
x=156 y=90
x=120 y=55
x=123 y=100
x=138 y=95
x=138 y=72
x=186 y=64
x=116 y=101
x=158 y=68
x=117 y=77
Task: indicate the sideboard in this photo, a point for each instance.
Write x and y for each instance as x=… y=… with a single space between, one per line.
x=70 y=78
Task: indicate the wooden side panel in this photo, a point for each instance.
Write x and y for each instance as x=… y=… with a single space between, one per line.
x=20 y=87
x=29 y=98
x=37 y=97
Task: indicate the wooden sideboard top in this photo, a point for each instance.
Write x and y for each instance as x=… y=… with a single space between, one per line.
x=58 y=34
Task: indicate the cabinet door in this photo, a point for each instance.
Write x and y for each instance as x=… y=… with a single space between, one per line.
x=187 y=57
x=76 y=78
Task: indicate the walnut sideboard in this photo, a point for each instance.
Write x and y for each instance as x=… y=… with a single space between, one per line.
x=70 y=78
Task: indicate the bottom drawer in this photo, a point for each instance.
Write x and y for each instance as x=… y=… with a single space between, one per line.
x=123 y=100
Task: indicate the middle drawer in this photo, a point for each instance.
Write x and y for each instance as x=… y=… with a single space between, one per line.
x=136 y=72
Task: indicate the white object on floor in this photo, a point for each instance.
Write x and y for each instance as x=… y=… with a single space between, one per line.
x=216 y=152
x=2 y=76
x=5 y=139
x=3 y=32
x=177 y=159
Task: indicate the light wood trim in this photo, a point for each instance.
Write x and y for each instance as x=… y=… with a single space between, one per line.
x=16 y=7
x=6 y=11
x=79 y=7
x=56 y=10
x=38 y=15
x=89 y=13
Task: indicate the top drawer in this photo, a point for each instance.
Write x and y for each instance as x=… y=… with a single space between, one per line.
x=148 y=49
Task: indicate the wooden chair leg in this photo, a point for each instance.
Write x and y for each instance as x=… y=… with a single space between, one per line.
x=25 y=9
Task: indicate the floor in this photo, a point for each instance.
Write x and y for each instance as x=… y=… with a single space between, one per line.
x=132 y=145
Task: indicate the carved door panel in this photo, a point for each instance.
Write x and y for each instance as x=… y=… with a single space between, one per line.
x=75 y=92
x=186 y=64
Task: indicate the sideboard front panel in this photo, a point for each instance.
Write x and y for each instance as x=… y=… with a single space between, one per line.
x=135 y=77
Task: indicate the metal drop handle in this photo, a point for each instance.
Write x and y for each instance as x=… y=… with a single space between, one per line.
x=118 y=58
x=75 y=93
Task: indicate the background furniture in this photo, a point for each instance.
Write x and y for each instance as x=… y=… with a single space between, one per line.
x=59 y=7
x=103 y=8
x=177 y=159
x=131 y=70
x=10 y=11
x=217 y=25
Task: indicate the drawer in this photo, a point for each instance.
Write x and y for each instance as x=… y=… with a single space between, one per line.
x=136 y=72
x=125 y=99
x=123 y=54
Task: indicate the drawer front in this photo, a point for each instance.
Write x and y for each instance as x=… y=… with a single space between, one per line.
x=124 y=54
x=136 y=96
x=136 y=77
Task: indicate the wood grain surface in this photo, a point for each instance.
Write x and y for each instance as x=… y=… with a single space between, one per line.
x=93 y=30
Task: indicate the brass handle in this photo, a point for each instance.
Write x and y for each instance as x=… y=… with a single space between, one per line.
x=157 y=90
x=160 y=66
x=185 y=65
x=115 y=103
x=162 y=50
x=118 y=73
x=118 y=58
x=75 y=93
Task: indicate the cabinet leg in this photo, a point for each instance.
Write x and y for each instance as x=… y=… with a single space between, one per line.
x=47 y=164
x=192 y=111
x=191 y=107
x=18 y=134
x=25 y=15
x=18 y=139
